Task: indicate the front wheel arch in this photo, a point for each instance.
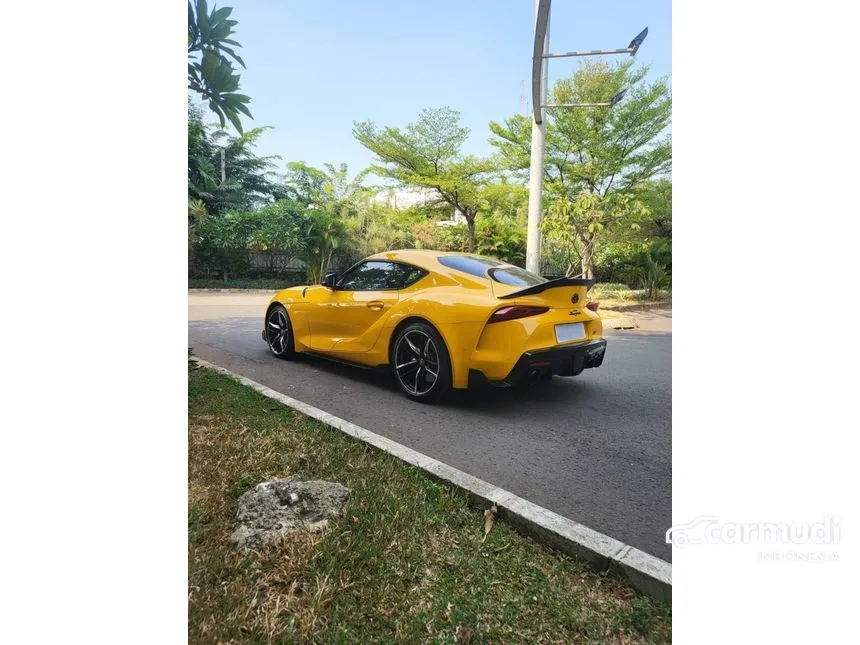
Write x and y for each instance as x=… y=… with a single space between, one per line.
x=272 y=305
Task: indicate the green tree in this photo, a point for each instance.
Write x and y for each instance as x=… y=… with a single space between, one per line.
x=278 y=227
x=248 y=181
x=378 y=227
x=211 y=53
x=330 y=189
x=596 y=158
x=657 y=198
x=427 y=154
x=504 y=199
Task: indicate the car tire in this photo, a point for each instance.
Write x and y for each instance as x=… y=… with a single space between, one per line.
x=417 y=353
x=279 y=333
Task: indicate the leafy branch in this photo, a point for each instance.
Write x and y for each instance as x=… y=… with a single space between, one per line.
x=211 y=54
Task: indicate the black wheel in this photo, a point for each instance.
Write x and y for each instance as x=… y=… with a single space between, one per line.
x=279 y=333
x=420 y=363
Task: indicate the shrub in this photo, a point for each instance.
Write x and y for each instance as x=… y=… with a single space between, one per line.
x=501 y=237
x=654 y=270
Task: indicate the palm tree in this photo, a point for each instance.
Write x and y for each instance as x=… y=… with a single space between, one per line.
x=324 y=236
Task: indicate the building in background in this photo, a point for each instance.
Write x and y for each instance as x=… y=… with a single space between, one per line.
x=400 y=199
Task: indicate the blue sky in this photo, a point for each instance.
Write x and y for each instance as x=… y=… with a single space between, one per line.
x=314 y=67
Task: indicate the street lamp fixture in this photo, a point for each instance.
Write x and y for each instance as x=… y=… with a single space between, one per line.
x=634 y=44
x=631 y=49
x=615 y=99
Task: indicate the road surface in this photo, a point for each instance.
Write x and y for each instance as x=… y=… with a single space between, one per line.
x=596 y=448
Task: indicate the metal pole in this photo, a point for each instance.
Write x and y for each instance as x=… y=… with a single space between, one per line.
x=590 y=52
x=536 y=168
x=577 y=105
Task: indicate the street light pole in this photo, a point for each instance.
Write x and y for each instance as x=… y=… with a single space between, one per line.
x=537 y=151
x=540 y=57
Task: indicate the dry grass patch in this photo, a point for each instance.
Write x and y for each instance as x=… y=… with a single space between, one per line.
x=406 y=562
x=608 y=314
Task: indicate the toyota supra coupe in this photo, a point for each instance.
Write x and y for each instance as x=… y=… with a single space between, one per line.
x=440 y=321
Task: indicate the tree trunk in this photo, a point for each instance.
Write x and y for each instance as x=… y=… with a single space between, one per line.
x=586 y=253
x=470 y=223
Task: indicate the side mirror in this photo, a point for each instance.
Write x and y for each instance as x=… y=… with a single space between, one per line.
x=329 y=280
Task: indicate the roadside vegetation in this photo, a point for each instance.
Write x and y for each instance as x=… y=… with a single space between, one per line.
x=269 y=284
x=608 y=191
x=407 y=561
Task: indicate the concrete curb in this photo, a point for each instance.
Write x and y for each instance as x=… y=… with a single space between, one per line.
x=644 y=572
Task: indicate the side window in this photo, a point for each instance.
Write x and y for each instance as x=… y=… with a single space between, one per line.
x=369 y=276
x=405 y=275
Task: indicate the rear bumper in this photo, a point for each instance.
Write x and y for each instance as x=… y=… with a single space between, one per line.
x=567 y=360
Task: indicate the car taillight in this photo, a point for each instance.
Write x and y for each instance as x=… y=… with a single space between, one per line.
x=514 y=312
x=592 y=305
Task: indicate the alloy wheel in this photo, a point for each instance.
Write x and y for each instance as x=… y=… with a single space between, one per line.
x=278 y=332
x=416 y=362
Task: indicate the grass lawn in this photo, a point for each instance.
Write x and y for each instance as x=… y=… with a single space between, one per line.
x=405 y=563
x=611 y=296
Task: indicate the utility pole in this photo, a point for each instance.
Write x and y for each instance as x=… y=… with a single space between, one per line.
x=538 y=136
x=540 y=58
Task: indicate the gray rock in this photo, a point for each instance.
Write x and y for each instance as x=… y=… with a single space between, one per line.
x=274 y=508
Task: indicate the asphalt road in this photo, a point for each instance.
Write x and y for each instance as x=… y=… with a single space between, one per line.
x=596 y=448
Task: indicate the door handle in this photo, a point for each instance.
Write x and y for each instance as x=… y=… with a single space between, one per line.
x=375 y=305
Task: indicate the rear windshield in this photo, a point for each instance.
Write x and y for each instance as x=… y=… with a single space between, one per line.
x=516 y=276
x=499 y=271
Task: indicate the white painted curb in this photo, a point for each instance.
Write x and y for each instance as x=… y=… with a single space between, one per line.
x=644 y=572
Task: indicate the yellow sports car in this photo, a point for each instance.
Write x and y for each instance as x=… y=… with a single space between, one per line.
x=441 y=321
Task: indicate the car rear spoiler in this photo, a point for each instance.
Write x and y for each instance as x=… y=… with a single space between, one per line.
x=551 y=284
